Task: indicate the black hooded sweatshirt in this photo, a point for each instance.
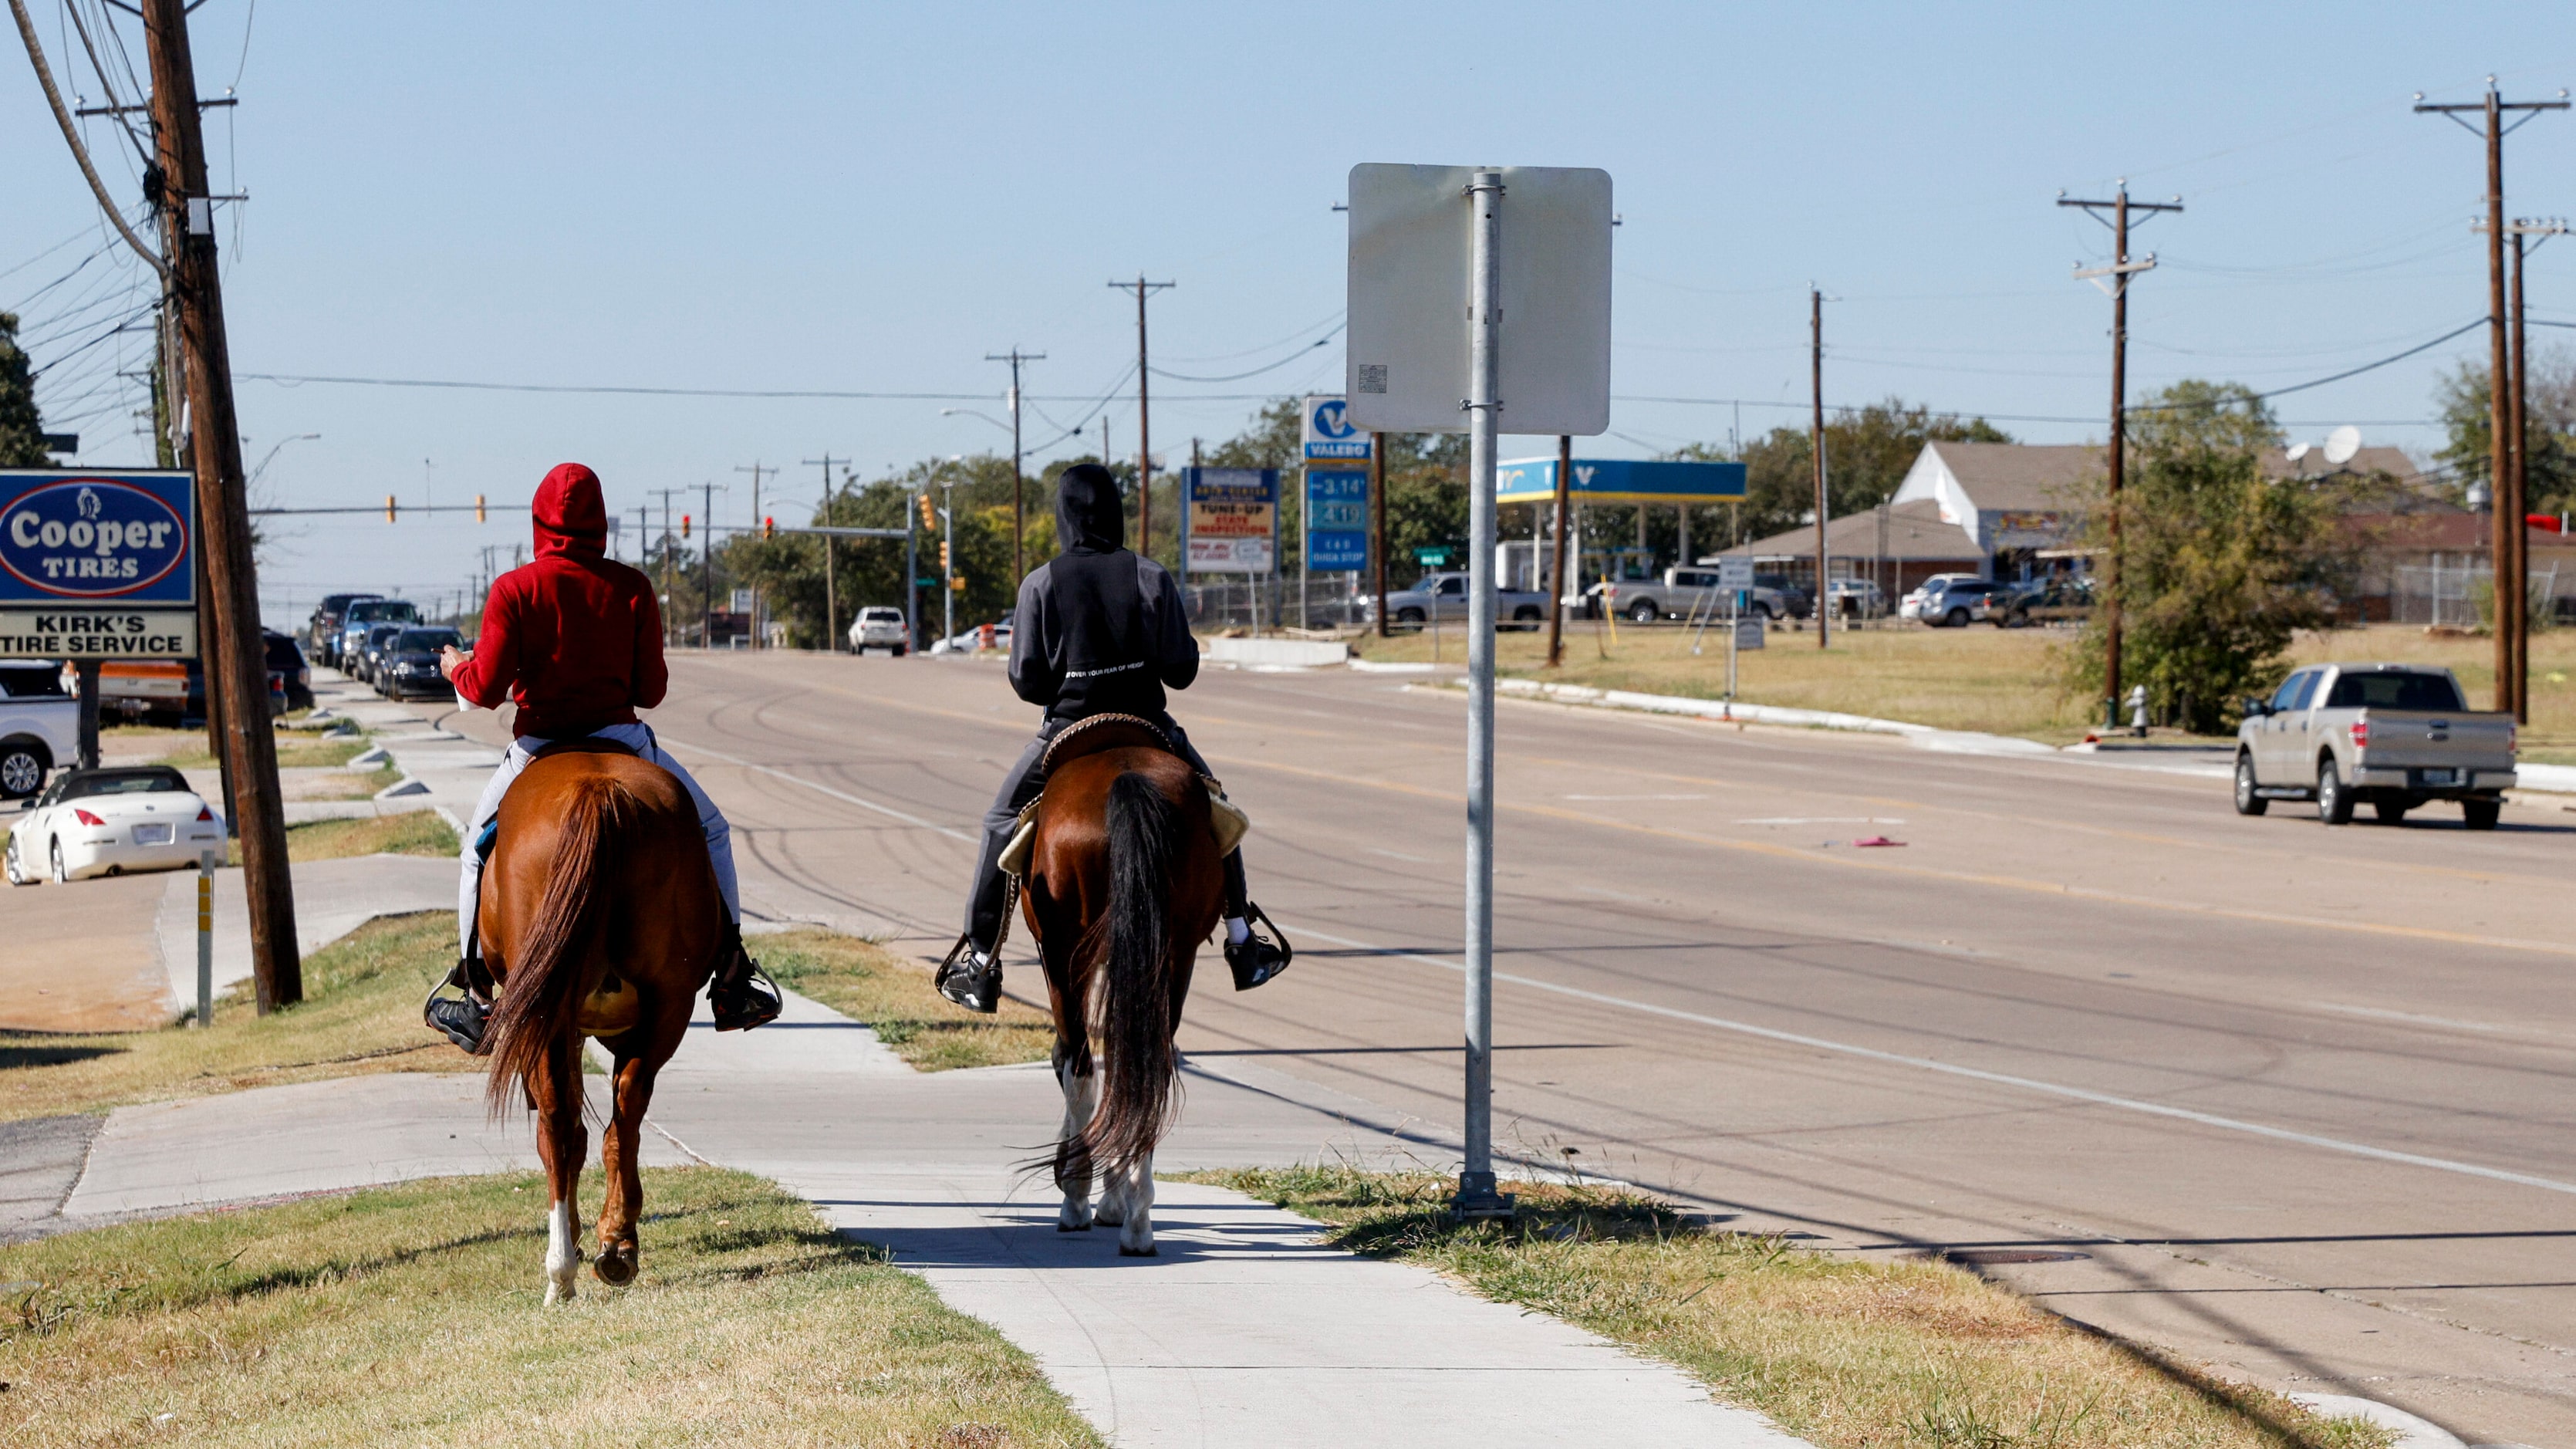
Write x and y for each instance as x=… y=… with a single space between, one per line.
x=1098 y=629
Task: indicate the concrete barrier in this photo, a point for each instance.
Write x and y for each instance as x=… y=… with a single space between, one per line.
x=1278 y=653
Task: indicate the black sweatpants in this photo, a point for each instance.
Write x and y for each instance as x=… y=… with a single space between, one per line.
x=1026 y=778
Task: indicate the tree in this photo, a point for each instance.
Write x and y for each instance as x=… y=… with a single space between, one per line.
x=2549 y=431
x=1867 y=454
x=2219 y=565
x=22 y=431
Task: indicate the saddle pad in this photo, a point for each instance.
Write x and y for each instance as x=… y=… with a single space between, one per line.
x=1097 y=733
x=1224 y=817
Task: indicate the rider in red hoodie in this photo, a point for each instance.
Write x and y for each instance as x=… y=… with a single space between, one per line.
x=575 y=641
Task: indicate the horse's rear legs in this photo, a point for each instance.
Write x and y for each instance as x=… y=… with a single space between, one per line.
x=621 y=1155
x=562 y=1144
x=1129 y=1202
x=1081 y=1092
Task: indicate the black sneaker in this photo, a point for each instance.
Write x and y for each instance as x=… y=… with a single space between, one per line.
x=742 y=996
x=970 y=978
x=460 y=1018
x=1256 y=958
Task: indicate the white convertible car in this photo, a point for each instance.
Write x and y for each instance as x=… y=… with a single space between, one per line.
x=109 y=822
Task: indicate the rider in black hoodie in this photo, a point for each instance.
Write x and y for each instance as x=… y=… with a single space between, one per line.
x=1098 y=630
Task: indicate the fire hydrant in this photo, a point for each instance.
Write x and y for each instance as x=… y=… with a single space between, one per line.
x=2138 y=711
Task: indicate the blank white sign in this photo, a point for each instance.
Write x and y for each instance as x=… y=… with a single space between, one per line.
x=1411 y=240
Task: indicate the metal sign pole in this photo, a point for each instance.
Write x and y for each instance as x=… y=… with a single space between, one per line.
x=1476 y=1194
x=206 y=861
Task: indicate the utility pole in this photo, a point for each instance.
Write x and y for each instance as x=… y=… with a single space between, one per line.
x=2509 y=531
x=831 y=589
x=707 y=571
x=1019 y=485
x=1144 y=418
x=1556 y=585
x=2119 y=271
x=237 y=661
x=1816 y=369
x=755 y=470
x=667 y=600
x=2520 y=442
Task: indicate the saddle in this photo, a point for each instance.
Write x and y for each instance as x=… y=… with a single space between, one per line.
x=1099 y=734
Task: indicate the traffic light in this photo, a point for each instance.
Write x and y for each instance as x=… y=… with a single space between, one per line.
x=943 y=555
x=768 y=528
x=478 y=508
x=684 y=525
x=929 y=520
x=389 y=508
x=957 y=586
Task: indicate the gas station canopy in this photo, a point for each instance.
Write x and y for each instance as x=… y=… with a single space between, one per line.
x=1620 y=480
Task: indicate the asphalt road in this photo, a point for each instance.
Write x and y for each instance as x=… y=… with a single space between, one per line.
x=2288 y=1099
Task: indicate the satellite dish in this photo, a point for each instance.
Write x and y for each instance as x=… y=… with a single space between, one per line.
x=2298 y=451
x=2342 y=443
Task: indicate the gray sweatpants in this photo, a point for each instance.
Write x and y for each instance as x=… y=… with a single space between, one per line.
x=640 y=739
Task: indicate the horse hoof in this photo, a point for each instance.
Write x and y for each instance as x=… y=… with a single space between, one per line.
x=1073 y=1227
x=1147 y=1251
x=615 y=1267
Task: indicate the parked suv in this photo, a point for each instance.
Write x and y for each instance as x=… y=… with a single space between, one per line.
x=322 y=631
x=2396 y=735
x=1949 y=601
x=39 y=725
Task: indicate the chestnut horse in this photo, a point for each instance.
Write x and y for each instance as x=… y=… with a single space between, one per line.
x=600 y=918
x=1123 y=884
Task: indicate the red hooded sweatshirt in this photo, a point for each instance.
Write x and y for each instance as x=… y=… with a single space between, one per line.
x=573 y=639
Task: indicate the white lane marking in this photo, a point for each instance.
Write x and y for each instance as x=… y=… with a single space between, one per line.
x=2053 y=1089
x=2382 y=1014
x=1823 y=820
x=1636 y=797
x=1400 y=855
x=843 y=795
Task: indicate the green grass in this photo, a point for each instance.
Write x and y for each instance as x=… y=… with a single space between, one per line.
x=1880 y=1354
x=361 y=1013
x=293 y=751
x=413 y=832
x=863 y=980
x=410 y=1315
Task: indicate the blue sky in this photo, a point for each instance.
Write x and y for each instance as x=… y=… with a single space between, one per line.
x=872 y=198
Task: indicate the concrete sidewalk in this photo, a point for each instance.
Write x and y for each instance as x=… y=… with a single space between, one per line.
x=1245 y=1329
x=332 y=898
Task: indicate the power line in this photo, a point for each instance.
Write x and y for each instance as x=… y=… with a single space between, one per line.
x=1296 y=356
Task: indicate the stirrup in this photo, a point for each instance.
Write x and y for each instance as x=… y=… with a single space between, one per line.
x=1251 y=958
x=746 y=999
x=968 y=980
x=459 y=1018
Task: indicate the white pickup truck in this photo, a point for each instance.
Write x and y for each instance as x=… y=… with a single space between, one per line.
x=39 y=725
x=2396 y=735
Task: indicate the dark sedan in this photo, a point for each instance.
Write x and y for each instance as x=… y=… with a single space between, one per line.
x=408 y=667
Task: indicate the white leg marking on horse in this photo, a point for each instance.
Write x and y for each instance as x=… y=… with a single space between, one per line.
x=1080 y=1092
x=1136 y=1186
x=563 y=1250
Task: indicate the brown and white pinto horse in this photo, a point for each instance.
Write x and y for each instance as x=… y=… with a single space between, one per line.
x=1123 y=883
x=600 y=918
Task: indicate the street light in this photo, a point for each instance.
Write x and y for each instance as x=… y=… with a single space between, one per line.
x=272 y=457
x=971 y=413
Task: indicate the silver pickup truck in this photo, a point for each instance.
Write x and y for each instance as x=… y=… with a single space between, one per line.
x=1686 y=593
x=1444 y=597
x=2396 y=735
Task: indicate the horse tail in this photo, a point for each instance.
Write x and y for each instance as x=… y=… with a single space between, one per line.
x=1135 y=972
x=540 y=997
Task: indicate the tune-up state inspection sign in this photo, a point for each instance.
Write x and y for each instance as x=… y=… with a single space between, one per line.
x=97 y=565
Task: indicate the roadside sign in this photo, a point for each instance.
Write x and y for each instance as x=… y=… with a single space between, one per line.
x=741 y=601
x=1410 y=249
x=1337 y=505
x=1735 y=573
x=1231 y=520
x=1327 y=431
x=1620 y=480
x=97 y=564
x=1748 y=632
x=1431 y=558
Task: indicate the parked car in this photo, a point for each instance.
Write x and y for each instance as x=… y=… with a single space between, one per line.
x=1682 y=593
x=152 y=690
x=39 y=725
x=878 y=627
x=2396 y=735
x=1948 y=601
x=407 y=668
x=109 y=822
x=1443 y=596
x=1795 y=597
x=286 y=664
x=322 y=631
x=996 y=635
x=1857 y=598
x=363 y=615
x=194 y=673
x=371 y=651
x=2048 y=601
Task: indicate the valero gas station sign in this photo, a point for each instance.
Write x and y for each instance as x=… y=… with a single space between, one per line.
x=97 y=564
